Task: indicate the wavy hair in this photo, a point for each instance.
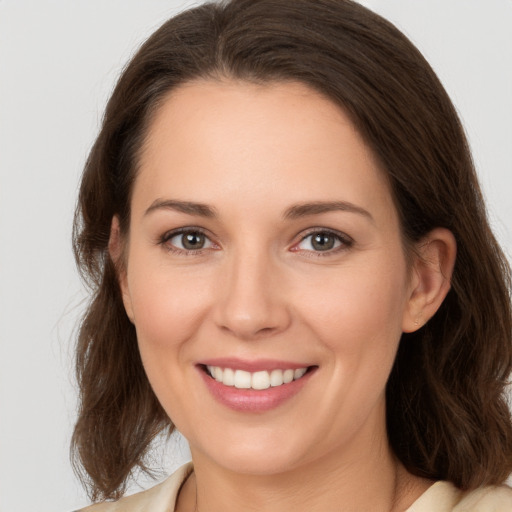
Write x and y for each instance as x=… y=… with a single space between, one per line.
x=447 y=412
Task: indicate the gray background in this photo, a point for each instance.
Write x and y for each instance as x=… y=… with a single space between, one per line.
x=58 y=62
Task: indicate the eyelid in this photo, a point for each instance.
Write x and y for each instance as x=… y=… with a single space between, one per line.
x=168 y=235
x=346 y=241
x=182 y=230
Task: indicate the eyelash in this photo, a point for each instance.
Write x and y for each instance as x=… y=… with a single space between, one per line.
x=345 y=242
x=166 y=237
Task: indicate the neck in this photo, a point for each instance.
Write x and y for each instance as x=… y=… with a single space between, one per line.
x=366 y=480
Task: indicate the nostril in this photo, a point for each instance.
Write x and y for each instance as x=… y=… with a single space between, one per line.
x=266 y=330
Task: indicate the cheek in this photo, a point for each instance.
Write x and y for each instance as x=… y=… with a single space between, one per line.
x=169 y=306
x=357 y=318
x=164 y=316
x=168 y=311
x=358 y=312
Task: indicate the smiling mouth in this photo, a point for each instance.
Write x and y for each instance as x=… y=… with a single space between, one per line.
x=259 y=380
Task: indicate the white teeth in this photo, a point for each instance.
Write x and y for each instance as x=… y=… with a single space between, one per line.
x=228 y=377
x=297 y=374
x=242 y=379
x=217 y=373
x=276 y=378
x=258 y=380
x=288 y=376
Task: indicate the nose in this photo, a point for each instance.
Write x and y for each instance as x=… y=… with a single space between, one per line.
x=251 y=301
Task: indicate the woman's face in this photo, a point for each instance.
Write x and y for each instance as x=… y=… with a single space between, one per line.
x=264 y=243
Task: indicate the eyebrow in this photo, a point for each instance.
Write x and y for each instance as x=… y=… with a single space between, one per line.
x=294 y=212
x=319 y=207
x=188 y=207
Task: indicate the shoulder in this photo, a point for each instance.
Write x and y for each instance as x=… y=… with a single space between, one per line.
x=445 y=497
x=487 y=499
x=160 y=498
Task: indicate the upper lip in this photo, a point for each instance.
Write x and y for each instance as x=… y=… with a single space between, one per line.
x=252 y=366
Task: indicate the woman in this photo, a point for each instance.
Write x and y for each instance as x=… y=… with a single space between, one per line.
x=291 y=264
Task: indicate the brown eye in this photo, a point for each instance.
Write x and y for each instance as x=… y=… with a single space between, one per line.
x=193 y=241
x=189 y=241
x=323 y=241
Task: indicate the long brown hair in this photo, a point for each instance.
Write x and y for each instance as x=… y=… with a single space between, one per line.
x=447 y=413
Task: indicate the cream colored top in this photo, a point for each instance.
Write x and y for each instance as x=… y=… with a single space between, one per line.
x=440 y=497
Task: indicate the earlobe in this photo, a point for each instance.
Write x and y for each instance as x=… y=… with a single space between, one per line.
x=116 y=252
x=434 y=260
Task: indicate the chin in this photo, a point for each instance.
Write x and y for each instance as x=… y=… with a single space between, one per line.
x=261 y=464
x=255 y=455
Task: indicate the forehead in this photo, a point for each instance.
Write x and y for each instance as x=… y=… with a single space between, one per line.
x=281 y=142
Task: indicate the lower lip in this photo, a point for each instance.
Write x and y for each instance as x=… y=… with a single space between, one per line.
x=252 y=400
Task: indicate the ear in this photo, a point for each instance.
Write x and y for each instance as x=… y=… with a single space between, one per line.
x=434 y=259
x=116 y=252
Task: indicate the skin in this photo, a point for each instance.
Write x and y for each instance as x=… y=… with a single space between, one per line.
x=260 y=289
